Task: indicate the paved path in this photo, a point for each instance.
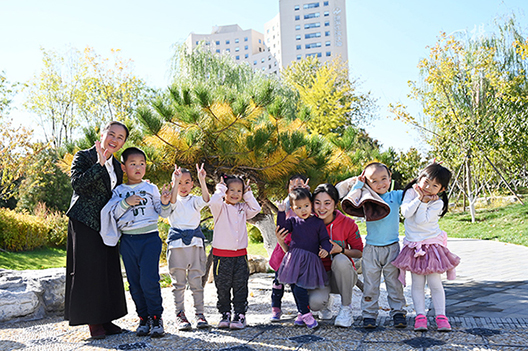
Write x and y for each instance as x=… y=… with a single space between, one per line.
x=487 y=305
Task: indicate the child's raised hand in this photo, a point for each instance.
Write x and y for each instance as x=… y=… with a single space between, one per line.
x=101 y=154
x=298 y=183
x=281 y=206
x=246 y=186
x=419 y=191
x=176 y=176
x=361 y=177
x=322 y=253
x=165 y=194
x=134 y=200
x=201 y=172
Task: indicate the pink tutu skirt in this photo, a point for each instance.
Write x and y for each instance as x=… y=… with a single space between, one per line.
x=303 y=268
x=429 y=258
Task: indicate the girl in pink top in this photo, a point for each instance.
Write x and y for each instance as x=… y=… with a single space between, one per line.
x=424 y=251
x=230 y=240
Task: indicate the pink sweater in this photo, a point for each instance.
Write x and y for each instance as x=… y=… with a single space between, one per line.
x=230 y=231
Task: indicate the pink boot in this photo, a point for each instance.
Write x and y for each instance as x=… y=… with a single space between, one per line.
x=299 y=321
x=309 y=320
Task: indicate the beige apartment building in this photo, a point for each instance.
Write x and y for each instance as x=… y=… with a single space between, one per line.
x=302 y=28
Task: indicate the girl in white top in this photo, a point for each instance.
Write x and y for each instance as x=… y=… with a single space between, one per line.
x=424 y=251
x=186 y=250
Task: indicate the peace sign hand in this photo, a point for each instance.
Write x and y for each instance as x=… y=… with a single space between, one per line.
x=102 y=155
x=246 y=186
x=165 y=194
x=201 y=172
x=176 y=176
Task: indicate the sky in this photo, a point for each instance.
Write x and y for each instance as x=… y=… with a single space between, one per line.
x=386 y=40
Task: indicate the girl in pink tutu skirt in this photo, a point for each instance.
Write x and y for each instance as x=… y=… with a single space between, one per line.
x=425 y=252
x=301 y=267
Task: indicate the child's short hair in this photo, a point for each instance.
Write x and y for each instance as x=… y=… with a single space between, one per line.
x=378 y=165
x=185 y=170
x=299 y=194
x=228 y=179
x=132 y=151
x=113 y=123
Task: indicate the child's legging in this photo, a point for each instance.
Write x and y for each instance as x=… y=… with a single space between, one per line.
x=434 y=281
x=301 y=298
x=277 y=292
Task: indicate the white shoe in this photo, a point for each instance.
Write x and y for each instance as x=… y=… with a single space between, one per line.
x=344 y=317
x=326 y=313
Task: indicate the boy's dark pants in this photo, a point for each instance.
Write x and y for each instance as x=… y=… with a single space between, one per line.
x=231 y=273
x=141 y=253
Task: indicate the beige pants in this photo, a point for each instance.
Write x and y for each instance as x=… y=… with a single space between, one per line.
x=187 y=264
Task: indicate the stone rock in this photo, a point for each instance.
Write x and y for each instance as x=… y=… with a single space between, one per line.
x=29 y=295
x=257 y=264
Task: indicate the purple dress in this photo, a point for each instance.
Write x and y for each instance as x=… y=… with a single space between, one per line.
x=301 y=264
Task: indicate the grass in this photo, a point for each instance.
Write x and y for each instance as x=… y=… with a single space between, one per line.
x=36 y=259
x=507 y=224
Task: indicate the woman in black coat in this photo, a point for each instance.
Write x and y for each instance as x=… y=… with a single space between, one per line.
x=94 y=285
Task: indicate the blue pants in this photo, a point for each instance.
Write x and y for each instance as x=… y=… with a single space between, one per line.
x=277 y=292
x=141 y=253
x=301 y=298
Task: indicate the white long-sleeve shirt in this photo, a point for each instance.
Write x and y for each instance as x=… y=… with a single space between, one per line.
x=421 y=219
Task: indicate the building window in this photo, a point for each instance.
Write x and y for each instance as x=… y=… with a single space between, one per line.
x=269 y=58
x=236 y=40
x=325 y=3
x=245 y=47
x=312 y=15
x=297 y=37
x=217 y=51
x=298 y=47
x=327 y=43
x=312 y=35
x=246 y=56
x=197 y=42
x=328 y=53
x=297 y=27
x=312 y=25
x=260 y=49
x=268 y=31
x=296 y=7
x=297 y=17
x=263 y=69
x=254 y=62
x=327 y=34
x=299 y=57
x=260 y=41
x=326 y=13
x=227 y=42
x=313 y=45
x=263 y=60
x=228 y=50
x=237 y=49
x=217 y=42
x=269 y=66
x=237 y=57
x=327 y=23
x=275 y=63
x=246 y=38
x=311 y=5
x=318 y=54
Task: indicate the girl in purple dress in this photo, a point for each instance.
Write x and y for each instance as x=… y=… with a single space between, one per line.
x=302 y=267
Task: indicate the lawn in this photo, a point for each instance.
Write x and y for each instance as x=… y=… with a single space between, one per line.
x=507 y=224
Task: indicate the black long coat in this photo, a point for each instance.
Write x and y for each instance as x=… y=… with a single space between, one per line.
x=94 y=284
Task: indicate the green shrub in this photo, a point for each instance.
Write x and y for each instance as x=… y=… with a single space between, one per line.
x=255 y=236
x=21 y=231
x=57 y=224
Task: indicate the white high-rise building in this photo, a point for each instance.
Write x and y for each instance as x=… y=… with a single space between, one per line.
x=302 y=28
x=308 y=28
x=242 y=45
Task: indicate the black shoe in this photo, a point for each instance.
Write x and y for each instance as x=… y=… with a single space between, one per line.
x=369 y=323
x=400 y=320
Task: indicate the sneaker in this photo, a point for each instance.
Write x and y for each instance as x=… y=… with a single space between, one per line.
x=309 y=320
x=369 y=323
x=238 y=322
x=400 y=321
x=144 y=326
x=442 y=323
x=298 y=321
x=326 y=313
x=225 y=321
x=344 y=317
x=420 y=323
x=276 y=314
x=182 y=323
x=157 y=331
x=201 y=322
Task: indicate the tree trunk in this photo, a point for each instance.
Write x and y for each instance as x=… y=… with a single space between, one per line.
x=266 y=225
x=470 y=194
